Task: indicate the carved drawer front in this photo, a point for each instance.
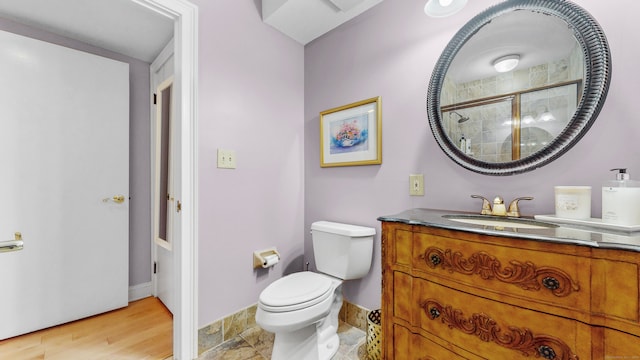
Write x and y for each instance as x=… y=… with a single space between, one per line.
x=615 y=290
x=530 y=275
x=619 y=345
x=402 y=240
x=402 y=287
x=409 y=346
x=495 y=330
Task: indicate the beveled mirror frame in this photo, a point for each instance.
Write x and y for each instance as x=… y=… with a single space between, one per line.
x=597 y=62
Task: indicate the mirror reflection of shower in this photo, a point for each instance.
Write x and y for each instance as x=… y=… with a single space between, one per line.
x=461 y=118
x=464 y=144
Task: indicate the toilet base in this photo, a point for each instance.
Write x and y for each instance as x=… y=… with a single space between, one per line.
x=317 y=341
x=303 y=344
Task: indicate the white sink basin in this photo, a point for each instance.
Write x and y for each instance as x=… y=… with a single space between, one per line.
x=499 y=222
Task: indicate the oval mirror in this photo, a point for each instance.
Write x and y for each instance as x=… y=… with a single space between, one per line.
x=518 y=86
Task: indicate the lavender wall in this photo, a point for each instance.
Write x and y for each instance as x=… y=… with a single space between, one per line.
x=391 y=51
x=251 y=101
x=139 y=162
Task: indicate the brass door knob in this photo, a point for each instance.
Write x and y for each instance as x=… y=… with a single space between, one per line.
x=118 y=199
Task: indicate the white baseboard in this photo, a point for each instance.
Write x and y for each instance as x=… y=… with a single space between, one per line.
x=140 y=291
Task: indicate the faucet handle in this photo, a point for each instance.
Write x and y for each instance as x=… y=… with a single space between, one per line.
x=486 y=205
x=514 y=211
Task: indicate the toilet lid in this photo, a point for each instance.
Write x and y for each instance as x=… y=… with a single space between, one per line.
x=296 y=291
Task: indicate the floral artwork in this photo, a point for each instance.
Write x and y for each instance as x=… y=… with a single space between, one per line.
x=349 y=135
x=352 y=134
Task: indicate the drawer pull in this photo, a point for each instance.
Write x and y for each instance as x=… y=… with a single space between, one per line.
x=435 y=313
x=487 y=329
x=547 y=352
x=525 y=275
x=551 y=283
x=435 y=260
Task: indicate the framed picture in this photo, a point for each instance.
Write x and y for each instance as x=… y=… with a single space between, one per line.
x=352 y=134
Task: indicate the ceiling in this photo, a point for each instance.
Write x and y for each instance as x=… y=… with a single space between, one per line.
x=306 y=20
x=122 y=26
x=125 y=27
x=538 y=39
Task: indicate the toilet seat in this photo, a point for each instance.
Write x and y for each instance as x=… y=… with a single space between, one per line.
x=296 y=291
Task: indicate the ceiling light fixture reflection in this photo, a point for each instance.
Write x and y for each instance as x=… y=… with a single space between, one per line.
x=528 y=119
x=443 y=8
x=547 y=116
x=506 y=63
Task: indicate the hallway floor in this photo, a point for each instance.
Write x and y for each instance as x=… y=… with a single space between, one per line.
x=257 y=344
x=142 y=330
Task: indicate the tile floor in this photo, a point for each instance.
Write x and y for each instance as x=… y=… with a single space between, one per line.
x=256 y=344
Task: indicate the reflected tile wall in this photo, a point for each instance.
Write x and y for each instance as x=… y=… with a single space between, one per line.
x=490 y=132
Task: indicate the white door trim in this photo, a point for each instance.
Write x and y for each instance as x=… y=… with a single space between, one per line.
x=185 y=319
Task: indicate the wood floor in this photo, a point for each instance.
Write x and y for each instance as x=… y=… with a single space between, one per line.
x=143 y=330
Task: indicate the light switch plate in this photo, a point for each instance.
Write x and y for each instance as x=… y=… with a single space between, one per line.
x=226 y=159
x=416 y=184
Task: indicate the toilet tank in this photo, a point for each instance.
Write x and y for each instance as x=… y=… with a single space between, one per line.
x=342 y=250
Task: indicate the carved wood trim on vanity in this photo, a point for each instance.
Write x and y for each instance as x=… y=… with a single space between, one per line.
x=526 y=274
x=383 y=250
x=488 y=330
x=505 y=297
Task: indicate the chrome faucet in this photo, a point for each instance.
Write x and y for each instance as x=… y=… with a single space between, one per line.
x=499 y=208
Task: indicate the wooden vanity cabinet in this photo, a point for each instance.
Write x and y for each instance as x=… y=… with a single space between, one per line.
x=457 y=295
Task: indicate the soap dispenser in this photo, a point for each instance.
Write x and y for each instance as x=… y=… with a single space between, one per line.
x=463 y=144
x=621 y=200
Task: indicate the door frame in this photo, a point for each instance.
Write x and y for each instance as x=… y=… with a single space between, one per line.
x=185 y=317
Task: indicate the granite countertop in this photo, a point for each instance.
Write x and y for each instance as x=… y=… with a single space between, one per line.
x=558 y=232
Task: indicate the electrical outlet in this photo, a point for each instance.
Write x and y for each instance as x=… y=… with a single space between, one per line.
x=416 y=184
x=226 y=159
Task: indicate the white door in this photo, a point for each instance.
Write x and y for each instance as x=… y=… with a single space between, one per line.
x=64 y=155
x=165 y=202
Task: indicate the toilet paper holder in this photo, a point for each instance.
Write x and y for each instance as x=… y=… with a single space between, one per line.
x=265 y=258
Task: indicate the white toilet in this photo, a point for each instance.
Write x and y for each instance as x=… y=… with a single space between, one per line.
x=302 y=308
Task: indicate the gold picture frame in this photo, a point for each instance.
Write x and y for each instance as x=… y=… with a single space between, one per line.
x=351 y=135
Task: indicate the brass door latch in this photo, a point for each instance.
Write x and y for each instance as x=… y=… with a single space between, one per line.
x=118 y=199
